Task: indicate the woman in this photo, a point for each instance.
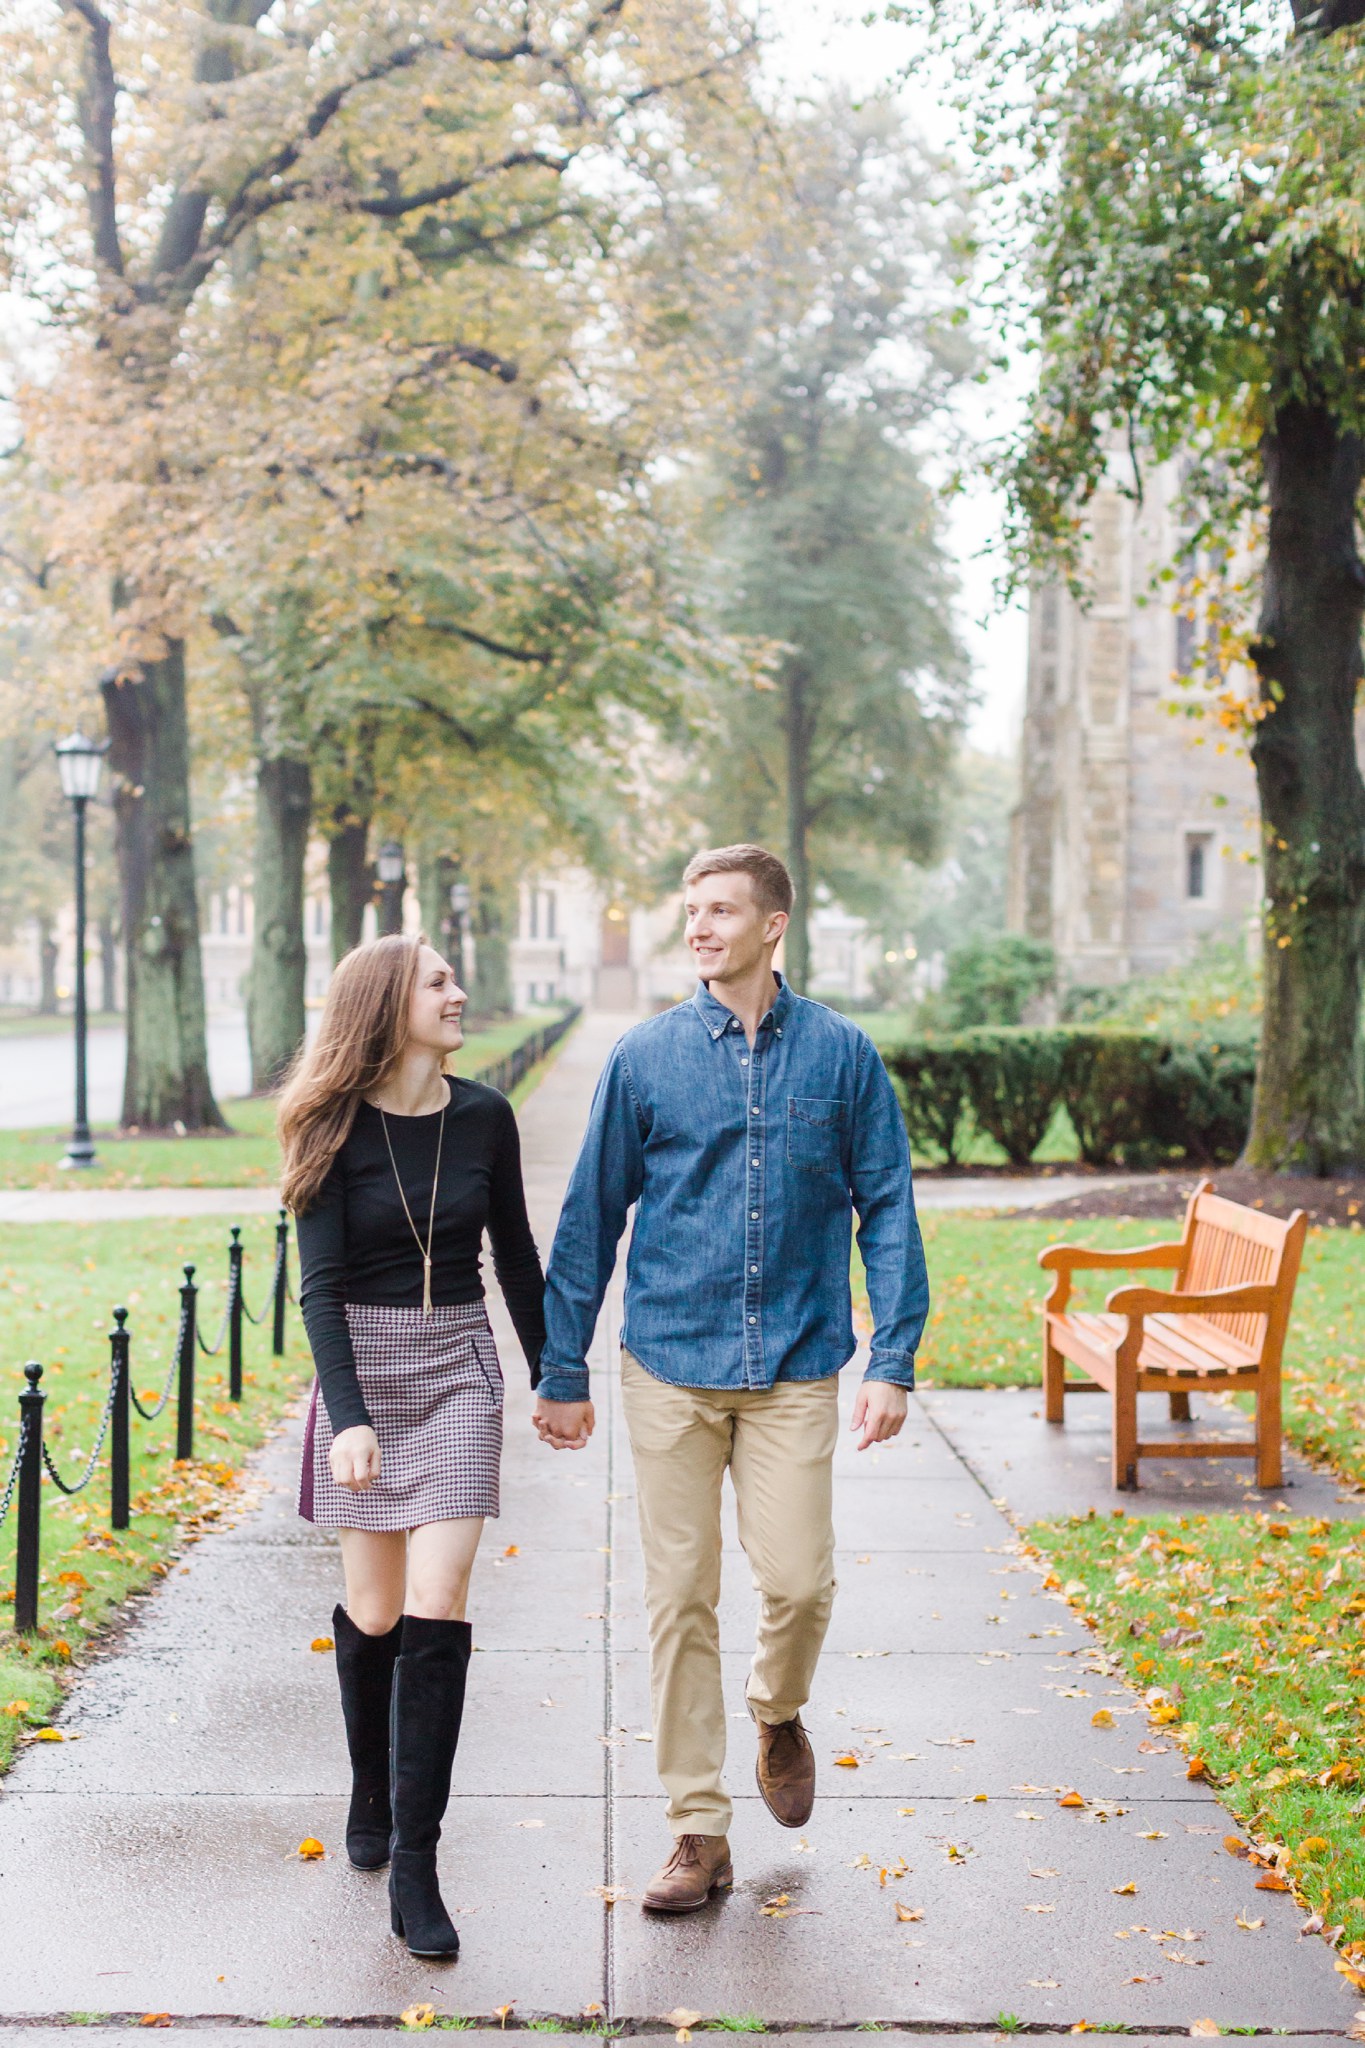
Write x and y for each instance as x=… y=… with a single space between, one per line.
x=393 y=1170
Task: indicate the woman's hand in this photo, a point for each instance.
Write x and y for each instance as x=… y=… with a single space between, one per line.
x=354 y=1458
x=563 y=1425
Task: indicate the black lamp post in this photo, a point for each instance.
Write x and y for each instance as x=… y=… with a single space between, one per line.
x=78 y=764
x=392 y=871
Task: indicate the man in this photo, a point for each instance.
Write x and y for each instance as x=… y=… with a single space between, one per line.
x=747 y=1124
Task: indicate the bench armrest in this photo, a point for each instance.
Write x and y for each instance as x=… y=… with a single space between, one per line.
x=1066 y=1259
x=1137 y=1302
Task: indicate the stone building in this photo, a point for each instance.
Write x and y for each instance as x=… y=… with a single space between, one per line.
x=1136 y=831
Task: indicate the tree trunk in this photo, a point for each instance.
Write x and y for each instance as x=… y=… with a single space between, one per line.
x=435 y=874
x=275 y=1001
x=166 y=1080
x=797 y=723
x=1309 y=1108
x=47 y=968
x=350 y=879
x=108 y=965
x=494 y=917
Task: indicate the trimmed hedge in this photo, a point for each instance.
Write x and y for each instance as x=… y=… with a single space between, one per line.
x=1135 y=1098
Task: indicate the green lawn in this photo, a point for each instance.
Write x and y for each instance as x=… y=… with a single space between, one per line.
x=1262 y=1685
x=58 y=1283
x=246 y=1157
x=30 y=1024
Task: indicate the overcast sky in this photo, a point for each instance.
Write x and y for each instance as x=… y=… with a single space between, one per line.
x=815 y=40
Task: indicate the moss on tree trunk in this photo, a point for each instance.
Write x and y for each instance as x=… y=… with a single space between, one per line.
x=1309 y=1107
x=495 y=909
x=275 y=1001
x=166 y=1079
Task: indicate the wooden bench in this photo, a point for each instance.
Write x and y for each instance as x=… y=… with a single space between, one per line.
x=1222 y=1324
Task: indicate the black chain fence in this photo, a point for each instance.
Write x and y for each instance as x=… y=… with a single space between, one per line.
x=32 y=1457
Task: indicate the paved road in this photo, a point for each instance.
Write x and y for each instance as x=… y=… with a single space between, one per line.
x=37 y=1074
x=149 y=1867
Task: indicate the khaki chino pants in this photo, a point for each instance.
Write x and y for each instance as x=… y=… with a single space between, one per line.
x=779 y=1447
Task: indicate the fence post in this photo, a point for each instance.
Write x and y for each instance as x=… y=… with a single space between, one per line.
x=281 y=1281
x=118 y=1423
x=28 y=1533
x=184 y=1411
x=235 y=1315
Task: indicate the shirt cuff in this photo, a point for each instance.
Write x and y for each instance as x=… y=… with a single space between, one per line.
x=563 y=1383
x=896 y=1367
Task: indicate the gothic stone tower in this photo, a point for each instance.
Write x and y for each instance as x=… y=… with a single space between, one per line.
x=1136 y=830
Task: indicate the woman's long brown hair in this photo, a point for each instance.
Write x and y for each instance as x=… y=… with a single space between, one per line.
x=360 y=1041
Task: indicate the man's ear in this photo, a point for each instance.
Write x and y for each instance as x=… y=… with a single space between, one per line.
x=778 y=920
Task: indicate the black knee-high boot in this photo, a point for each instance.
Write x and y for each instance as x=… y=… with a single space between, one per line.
x=365 y=1669
x=428 y=1701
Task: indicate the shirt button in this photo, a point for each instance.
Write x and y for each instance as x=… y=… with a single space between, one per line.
x=753 y=1319
x=779 y=1030
x=754 y=1215
x=744 y=1059
x=753 y=1269
x=753 y=1162
x=754 y=1110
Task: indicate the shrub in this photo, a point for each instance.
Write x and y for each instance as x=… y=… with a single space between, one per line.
x=1014 y=1082
x=992 y=981
x=1134 y=1097
x=932 y=1072
x=1110 y=1088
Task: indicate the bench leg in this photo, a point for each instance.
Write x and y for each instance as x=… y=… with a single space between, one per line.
x=1054 y=1378
x=1180 y=1407
x=1269 y=1454
x=1125 y=1465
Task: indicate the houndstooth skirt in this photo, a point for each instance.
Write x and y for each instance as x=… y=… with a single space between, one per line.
x=433 y=1387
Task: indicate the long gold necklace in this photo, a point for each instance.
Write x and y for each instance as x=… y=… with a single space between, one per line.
x=431 y=1219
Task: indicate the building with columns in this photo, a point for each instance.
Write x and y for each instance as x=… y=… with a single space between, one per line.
x=1136 y=832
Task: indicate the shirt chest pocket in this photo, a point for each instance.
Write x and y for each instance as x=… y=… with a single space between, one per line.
x=815 y=1133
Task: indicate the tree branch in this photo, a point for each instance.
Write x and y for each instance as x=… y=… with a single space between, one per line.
x=498 y=647
x=95 y=103
x=394 y=206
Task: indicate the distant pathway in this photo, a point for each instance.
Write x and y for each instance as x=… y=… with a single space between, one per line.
x=150 y=1867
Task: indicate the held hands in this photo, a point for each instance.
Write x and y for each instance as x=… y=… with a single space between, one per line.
x=354 y=1458
x=563 y=1425
x=878 y=1411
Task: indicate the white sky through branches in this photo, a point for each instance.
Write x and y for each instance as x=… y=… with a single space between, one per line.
x=809 y=42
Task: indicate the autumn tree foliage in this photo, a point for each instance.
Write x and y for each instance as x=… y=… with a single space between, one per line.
x=1188 y=177
x=348 y=407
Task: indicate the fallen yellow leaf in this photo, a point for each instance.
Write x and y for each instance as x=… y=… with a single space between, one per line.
x=155 y=2019
x=848 y=1762
x=49 y=1735
x=503 y=2013
x=418 y=2016
x=512 y=1550
x=1271 y=1881
x=310 y=1849
x=1235 y=1846
x=909 y=1912
x=15 y=1708
x=1071 y=1799
x=682 y=2017
x=1353 y=1976
x=591 y=2010
x=322 y=1643
x=1196 y=1768
x=1202 y=2028
x=1249 y=1925
x=1125 y=1891
x=1101 y=1718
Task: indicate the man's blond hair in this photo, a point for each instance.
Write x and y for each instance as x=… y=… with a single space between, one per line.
x=772 y=884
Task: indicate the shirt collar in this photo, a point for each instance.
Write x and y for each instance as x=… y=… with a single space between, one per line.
x=718 y=1019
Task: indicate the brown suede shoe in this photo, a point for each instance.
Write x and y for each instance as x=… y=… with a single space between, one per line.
x=786 y=1771
x=698 y=1868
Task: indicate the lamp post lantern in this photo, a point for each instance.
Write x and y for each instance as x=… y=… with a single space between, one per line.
x=391 y=868
x=78 y=763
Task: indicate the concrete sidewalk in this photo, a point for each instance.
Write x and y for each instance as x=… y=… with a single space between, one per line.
x=151 y=1867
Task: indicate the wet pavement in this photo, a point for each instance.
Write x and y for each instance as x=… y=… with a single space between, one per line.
x=151 y=1866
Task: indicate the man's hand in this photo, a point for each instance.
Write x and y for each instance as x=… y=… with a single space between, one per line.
x=563 y=1425
x=878 y=1411
x=354 y=1458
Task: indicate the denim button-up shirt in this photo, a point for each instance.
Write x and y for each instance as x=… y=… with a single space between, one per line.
x=746 y=1165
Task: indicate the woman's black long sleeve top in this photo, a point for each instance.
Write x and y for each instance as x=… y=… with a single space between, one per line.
x=355 y=1242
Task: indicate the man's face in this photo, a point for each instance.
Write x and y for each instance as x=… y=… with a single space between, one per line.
x=728 y=932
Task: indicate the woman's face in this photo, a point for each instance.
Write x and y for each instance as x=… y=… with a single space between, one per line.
x=437 y=1005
